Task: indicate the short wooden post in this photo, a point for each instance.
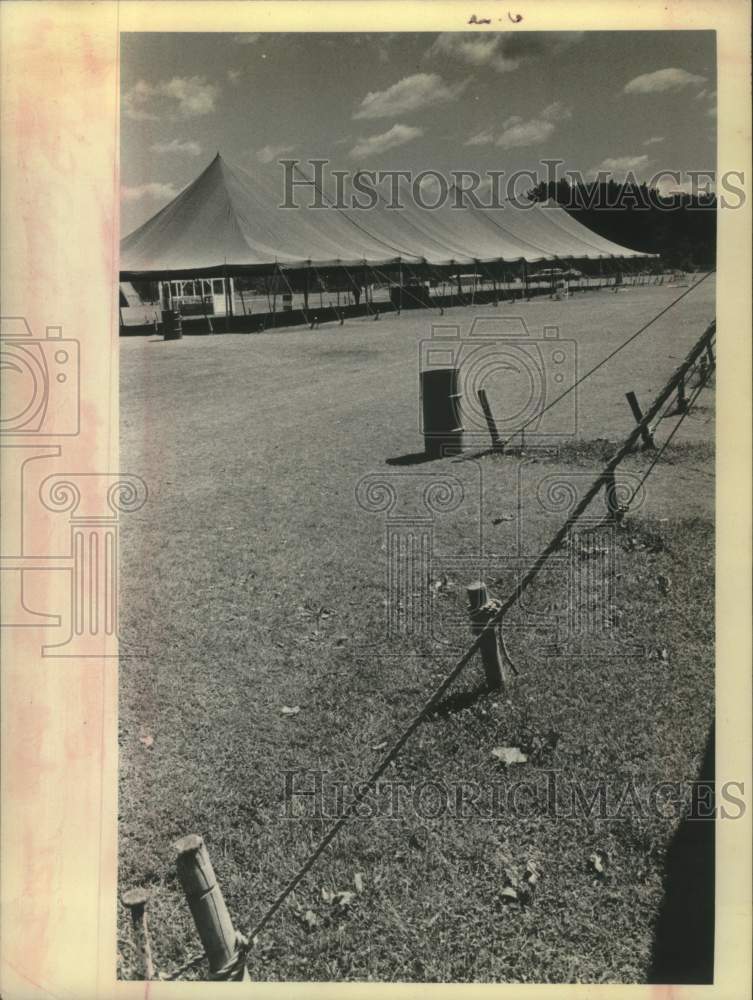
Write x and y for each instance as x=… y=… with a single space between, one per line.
x=682 y=400
x=481 y=611
x=646 y=435
x=208 y=909
x=490 y=421
x=135 y=900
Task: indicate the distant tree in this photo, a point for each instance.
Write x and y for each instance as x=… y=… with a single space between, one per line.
x=681 y=227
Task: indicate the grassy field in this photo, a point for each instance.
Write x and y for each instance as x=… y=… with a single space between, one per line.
x=256 y=582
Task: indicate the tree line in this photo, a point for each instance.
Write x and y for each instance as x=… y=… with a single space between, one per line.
x=679 y=226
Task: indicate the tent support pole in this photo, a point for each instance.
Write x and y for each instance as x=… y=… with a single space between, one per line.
x=207 y=320
x=290 y=289
x=228 y=306
x=365 y=285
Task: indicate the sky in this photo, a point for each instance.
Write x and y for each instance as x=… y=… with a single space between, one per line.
x=476 y=100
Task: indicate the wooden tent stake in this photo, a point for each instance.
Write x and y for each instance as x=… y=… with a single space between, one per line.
x=135 y=900
x=481 y=610
x=646 y=435
x=208 y=909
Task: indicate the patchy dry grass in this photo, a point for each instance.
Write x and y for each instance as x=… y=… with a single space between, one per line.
x=256 y=582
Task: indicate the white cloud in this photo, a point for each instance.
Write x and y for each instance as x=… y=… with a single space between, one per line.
x=269 y=153
x=558 y=111
x=473 y=50
x=154 y=191
x=398 y=135
x=703 y=186
x=485 y=138
x=662 y=80
x=502 y=51
x=182 y=97
x=234 y=76
x=187 y=147
x=135 y=99
x=194 y=95
x=525 y=134
x=654 y=140
x=409 y=94
x=518 y=133
x=621 y=164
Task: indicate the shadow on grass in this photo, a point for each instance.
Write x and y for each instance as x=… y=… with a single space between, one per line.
x=415 y=458
x=458 y=701
x=683 y=950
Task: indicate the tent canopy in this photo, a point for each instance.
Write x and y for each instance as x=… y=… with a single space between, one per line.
x=229 y=221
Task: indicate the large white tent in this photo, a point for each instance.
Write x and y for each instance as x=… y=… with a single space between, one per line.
x=229 y=221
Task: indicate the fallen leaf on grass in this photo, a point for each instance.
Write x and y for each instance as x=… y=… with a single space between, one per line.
x=664 y=655
x=531 y=874
x=380 y=746
x=147 y=740
x=310 y=919
x=509 y=755
x=599 y=861
x=444 y=586
x=343 y=899
x=509 y=895
x=286 y=710
x=358 y=882
x=340 y=900
x=664 y=583
x=527 y=890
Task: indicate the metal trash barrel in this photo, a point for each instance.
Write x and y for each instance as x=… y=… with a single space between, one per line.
x=440 y=407
x=172 y=324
